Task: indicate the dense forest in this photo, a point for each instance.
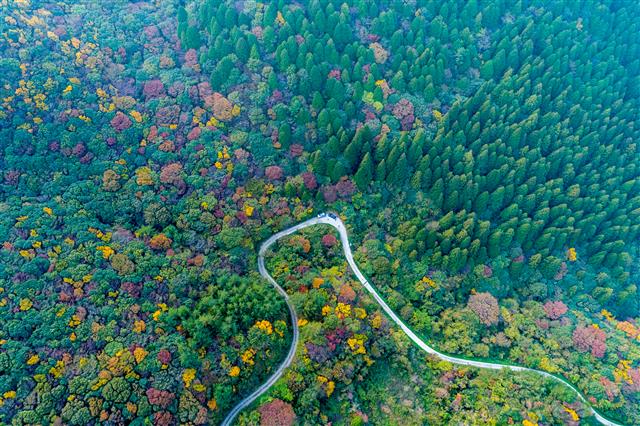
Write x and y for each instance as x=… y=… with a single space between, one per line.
x=482 y=153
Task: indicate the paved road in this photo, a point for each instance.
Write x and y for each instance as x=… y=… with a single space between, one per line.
x=296 y=332
x=332 y=220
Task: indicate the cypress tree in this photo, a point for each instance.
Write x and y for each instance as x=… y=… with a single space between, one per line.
x=242 y=50
x=486 y=71
x=495 y=243
x=364 y=175
x=284 y=135
x=352 y=155
x=192 y=38
x=319 y=163
x=381 y=171
x=399 y=172
x=339 y=170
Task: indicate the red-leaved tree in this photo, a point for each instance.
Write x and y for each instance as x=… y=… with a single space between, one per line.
x=485 y=306
x=276 y=413
x=590 y=338
x=555 y=310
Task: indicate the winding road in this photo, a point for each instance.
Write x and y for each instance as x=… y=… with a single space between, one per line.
x=334 y=221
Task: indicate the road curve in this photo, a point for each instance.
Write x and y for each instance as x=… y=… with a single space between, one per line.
x=334 y=221
x=296 y=332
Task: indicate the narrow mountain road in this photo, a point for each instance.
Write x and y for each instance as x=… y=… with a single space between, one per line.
x=334 y=221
